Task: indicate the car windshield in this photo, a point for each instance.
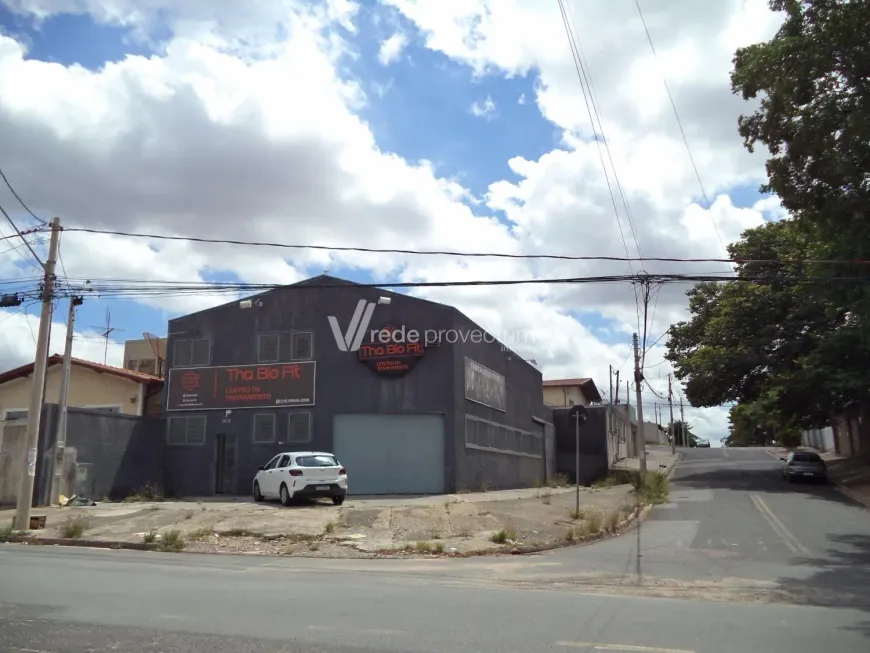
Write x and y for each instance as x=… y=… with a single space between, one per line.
x=316 y=461
x=806 y=457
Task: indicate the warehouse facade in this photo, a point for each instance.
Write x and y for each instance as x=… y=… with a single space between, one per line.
x=411 y=395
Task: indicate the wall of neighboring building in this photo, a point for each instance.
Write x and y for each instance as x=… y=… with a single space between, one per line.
x=86 y=388
x=820 y=439
x=140 y=355
x=498 y=447
x=594 y=463
x=106 y=455
x=652 y=434
x=564 y=396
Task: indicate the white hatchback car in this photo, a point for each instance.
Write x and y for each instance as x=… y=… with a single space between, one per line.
x=301 y=475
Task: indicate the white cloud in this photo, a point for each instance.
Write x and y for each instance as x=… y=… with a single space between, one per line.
x=230 y=133
x=522 y=99
x=483 y=109
x=392 y=48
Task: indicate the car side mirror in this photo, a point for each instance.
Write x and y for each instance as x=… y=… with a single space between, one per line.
x=261 y=468
x=782 y=459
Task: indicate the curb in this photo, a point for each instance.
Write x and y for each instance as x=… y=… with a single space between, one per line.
x=94 y=544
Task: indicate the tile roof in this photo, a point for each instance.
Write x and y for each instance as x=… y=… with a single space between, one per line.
x=57 y=359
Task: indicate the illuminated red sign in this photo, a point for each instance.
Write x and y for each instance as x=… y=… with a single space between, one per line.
x=241 y=386
x=390 y=358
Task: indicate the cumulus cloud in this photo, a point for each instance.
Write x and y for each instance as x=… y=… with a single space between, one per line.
x=246 y=125
x=391 y=49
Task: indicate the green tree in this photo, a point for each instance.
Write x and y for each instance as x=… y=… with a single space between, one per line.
x=683 y=432
x=813 y=81
x=770 y=339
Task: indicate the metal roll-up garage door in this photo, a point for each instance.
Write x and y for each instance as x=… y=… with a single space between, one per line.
x=391 y=454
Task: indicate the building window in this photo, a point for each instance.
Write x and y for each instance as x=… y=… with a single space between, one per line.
x=490 y=436
x=187 y=430
x=264 y=428
x=299 y=427
x=192 y=353
x=301 y=346
x=12 y=415
x=268 y=348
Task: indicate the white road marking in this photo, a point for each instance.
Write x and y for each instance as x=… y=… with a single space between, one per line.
x=596 y=646
x=786 y=535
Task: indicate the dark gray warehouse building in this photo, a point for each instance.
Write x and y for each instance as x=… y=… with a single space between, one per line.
x=411 y=395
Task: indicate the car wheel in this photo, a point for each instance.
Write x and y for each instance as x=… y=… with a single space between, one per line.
x=285 y=495
x=257 y=494
x=337 y=501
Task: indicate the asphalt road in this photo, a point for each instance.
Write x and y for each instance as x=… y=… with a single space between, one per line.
x=710 y=563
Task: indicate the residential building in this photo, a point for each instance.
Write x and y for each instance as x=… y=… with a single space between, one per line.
x=146 y=355
x=570 y=392
x=92 y=385
x=411 y=395
x=106 y=406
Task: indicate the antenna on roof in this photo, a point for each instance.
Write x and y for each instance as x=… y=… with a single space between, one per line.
x=107 y=330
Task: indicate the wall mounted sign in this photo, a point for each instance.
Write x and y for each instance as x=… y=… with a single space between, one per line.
x=391 y=352
x=483 y=386
x=241 y=386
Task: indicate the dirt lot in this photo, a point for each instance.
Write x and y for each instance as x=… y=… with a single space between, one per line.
x=458 y=524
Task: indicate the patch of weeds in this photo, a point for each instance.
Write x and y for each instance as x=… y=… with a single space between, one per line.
x=200 y=534
x=593 y=522
x=463 y=533
x=153 y=506
x=447 y=505
x=74 y=528
x=653 y=488
x=314 y=546
x=5 y=533
x=434 y=536
x=329 y=528
x=188 y=514
x=612 y=520
x=301 y=537
x=577 y=513
x=148 y=493
x=439 y=547
x=423 y=547
x=546 y=497
x=484 y=485
x=172 y=541
x=504 y=535
x=463 y=490
x=570 y=534
x=619 y=477
x=558 y=480
x=150 y=537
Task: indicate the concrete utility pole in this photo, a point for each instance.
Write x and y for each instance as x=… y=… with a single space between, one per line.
x=617 y=387
x=25 y=490
x=638 y=378
x=671 y=407
x=60 y=440
x=610 y=378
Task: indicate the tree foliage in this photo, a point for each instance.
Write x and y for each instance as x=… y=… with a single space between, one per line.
x=791 y=351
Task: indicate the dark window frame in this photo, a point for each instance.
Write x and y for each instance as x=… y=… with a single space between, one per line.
x=255 y=429
x=187 y=420
x=310 y=428
x=192 y=362
x=277 y=337
x=293 y=348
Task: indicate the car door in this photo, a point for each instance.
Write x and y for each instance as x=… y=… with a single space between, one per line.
x=280 y=473
x=269 y=479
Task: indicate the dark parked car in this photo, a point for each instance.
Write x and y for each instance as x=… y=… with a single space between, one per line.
x=702 y=443
x=804 y=465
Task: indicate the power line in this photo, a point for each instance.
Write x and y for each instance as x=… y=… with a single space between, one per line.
x=458 y=254
x=21 y=201
x=20 y=235
x=679 y=123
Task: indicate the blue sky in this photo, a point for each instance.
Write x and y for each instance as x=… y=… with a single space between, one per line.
x=423 y=113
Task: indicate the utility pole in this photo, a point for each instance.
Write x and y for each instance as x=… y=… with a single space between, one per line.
x=60 y=440
x=638 y=378
x=610 y=378
x=671 y=407
x=25 y=490
x=617 y=386
x=630 y=437
x=683 y=422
